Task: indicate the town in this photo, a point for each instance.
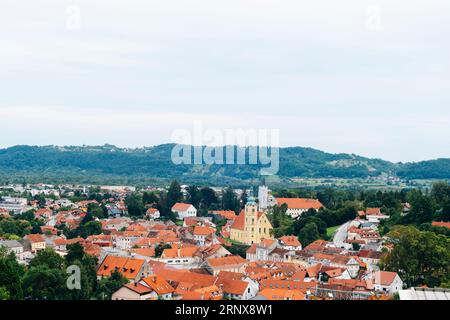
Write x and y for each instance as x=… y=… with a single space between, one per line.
x=185 y=242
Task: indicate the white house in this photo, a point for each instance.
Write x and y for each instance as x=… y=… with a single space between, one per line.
x=290 y=243
x=153 y=213
x=13 y=246
x=297 y=206
x=184 y=210
x=201 y=234
x=387 y=282
x=238 y=289
x=374 y=215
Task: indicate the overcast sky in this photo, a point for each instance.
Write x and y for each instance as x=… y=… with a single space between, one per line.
x=356 y=76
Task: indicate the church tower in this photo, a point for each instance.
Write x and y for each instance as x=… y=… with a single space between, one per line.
x=251 y=218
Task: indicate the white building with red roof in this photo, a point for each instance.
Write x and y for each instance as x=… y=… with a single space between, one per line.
x=387 y=282
x=297 y=206
x=184 y=210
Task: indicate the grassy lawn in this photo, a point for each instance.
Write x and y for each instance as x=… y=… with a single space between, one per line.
x=332 y=230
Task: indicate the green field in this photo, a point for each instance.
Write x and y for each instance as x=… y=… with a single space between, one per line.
x=331 y=231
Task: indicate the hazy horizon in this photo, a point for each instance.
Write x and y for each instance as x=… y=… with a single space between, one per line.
x=366 y=77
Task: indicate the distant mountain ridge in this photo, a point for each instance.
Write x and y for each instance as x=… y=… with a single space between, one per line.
x=90 y=163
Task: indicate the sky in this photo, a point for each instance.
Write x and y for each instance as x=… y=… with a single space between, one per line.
x=370 y=77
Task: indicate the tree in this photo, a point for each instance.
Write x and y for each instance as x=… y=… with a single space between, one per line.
x=282 y=223
x=244 y=199
x=209 y=197
x=44 y=283
x=74 y=252
x=194 y=196
x=135 y=205
x=87 y=264
x=94 y=210
x=174 y=194
x=160 y=248
x=229 y=200
x=90 y=228
x=422 y=209
x=419 y=257
x=4 y=294
x=149 y=198
x=10 y=275
x=308 y=234
x=49 y=258
x=107 y=286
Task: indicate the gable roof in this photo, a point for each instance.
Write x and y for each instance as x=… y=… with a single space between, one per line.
x=138 y=288
x=203 y=231
x=290 y=241
x=384 y=278
x=35 y=238
x=128 y=267
x=180 y=252
x=282 y=294
x=225 y=261
x=158 y=284
x=227 y=214
x=300 y=203
x=232 y=286
x=179 y=206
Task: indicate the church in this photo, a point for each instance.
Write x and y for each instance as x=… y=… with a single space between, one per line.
x=251 y=225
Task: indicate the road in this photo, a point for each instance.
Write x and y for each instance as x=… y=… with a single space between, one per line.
x=341 y=235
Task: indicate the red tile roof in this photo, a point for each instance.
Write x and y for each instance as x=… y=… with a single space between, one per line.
x=184 y=252
x=227 y=214
x=35 y=238
x=226 y=261
x=441 y=224
x=138 y=288
x=203 y=231
x=290 y=241
x=282 y=294
x=300 y=203
x=128 y=267
x=158 y=284
x=239 y=222
x=181 y=206
x=384 y=278
x=148 y=252
x=373 y=211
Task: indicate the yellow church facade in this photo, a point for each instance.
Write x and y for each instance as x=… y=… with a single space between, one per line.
x=251 y=225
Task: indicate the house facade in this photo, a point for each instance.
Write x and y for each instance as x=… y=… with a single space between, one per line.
x=251 y=226
x=184 y=210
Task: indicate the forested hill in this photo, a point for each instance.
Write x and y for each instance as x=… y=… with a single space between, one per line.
x=89 y=164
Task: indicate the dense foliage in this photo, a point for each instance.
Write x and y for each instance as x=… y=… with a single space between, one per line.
x=47 y=277
x=143 y=166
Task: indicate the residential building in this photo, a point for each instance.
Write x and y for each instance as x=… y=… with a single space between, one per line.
x=184 y=210
x=387 y=282
x=297 y=206
x=13 y=246
x=130 y=268
x=35 y=242
x=228 y=263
